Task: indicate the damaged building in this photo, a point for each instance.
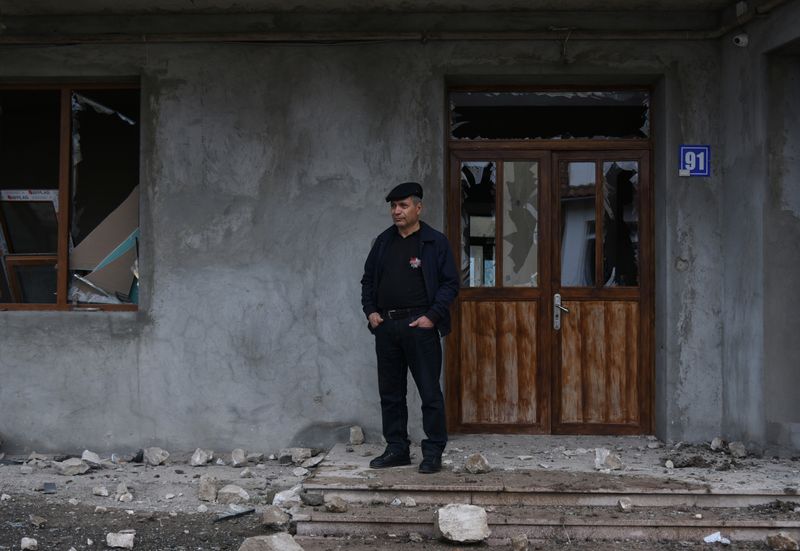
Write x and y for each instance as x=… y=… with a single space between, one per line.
x=189 y=189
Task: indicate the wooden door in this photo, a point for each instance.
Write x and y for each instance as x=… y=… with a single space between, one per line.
x=497 y=378
x=602 y=273
x=522 y=226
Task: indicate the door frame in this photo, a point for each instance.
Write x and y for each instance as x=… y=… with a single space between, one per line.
x=547 y=152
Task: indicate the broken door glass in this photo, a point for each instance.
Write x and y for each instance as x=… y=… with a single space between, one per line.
x=577 y=192
x=520 y=223
x=478 y=183
x=549 y=115
x=621 y=223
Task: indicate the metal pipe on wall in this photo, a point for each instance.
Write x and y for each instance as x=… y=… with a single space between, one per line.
x=366 y=37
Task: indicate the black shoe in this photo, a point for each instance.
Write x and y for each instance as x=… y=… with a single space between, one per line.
x=430 y=465
x=390 y=459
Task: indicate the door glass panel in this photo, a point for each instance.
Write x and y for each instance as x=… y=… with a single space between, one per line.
x=478 y=183
x=621 y=223
x=520 y=223
x=577 y=193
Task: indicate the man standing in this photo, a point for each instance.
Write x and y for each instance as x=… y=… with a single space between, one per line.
x=409 y=281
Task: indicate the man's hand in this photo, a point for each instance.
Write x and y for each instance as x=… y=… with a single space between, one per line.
x=375 y=320
x=422 y=322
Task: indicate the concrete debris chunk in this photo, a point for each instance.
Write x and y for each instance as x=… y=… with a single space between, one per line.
x=73 y=501
x=396 y=502
x=238 y=457
x=477 y=464
x=300 y=471
x=415 y=537
x=312 y=499
x=782 y=541
x=717 y=444
x=246 y=473
x=232 y=494
x=519 y=542
x=313 y=461
x=625 y=505
x=201 y=457
x=695 y=461
x=255 y=457
x=91 y=458
x=737 y=450
x=37 y=521
x=462 y=523
x=29 y=543
x=275 y=542
x=669 y=464
x=208 y=488
x=604 y=459
x=26 y=469
x=202 y=508
x=356 y=435
x=409 y=501
x=294 y=455
x=121 y=540
x=155 y=456
x=100 y=509
x=101 y=491
x=5 y=497
x=70 y=467
x=123 y=492
x=273 y=517
x=288 y=498
x=336 y=504
x=654 y=445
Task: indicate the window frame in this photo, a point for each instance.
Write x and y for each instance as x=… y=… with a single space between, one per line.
x=66 y=89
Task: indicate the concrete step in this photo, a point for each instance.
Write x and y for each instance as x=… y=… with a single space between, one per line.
x=578 y=523
x=564 y=481
x=540 y=489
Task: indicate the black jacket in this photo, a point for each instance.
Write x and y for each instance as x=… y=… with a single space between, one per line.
x=438 y=271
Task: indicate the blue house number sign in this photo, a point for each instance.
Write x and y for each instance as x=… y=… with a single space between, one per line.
x=695 y=160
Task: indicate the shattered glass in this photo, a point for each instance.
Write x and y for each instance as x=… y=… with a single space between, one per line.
x=478 y=189
x=549 y=115
x=29 y=157
x=621 y=223
x=520 y=223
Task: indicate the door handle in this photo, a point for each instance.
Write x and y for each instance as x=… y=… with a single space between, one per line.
x=557 y=309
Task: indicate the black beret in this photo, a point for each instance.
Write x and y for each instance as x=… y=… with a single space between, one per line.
x=406 y=189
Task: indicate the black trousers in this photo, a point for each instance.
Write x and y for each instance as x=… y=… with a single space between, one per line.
x=401 y=348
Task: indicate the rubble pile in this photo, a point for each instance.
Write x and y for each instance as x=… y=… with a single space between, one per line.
x=231 y=484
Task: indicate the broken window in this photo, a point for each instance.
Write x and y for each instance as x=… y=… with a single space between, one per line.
x=512 y=261
x=618 y=209
x=549 y=115
x=478 y=188
x=69 y=203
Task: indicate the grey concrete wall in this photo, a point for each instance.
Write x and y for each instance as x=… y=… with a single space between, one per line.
x=263 y=172
x=752 y=304
x=782 y=254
